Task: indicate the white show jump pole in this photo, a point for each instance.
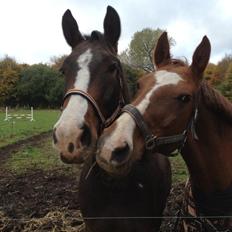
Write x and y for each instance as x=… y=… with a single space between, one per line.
x=6 y=115
x=32 y=114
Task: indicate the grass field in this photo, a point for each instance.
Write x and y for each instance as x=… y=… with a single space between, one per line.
x=14 y=130
x=44 y=157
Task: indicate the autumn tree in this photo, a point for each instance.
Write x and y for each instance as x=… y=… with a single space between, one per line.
x=9 y=76
x=225 y=87
x=222 y=67
x=209 y=74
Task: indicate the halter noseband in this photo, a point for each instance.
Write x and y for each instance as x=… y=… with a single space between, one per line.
x=152 y=141
x=103 y=121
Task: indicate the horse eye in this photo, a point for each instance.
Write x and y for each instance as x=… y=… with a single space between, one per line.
x=185 y=98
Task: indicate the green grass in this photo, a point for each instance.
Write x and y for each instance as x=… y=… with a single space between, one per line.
x=45 y=157
x=179 y=169
x=42 y=157
x=14 y=130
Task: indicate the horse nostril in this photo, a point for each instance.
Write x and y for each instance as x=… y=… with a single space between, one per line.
x=86 y=136
x=54 y=136
x=71 y=147
x=120 y=153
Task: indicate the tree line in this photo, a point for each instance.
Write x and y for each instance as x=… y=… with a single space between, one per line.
x=38 y=85
x=42 y=85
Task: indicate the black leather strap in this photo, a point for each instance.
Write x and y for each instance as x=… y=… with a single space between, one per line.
x=138 y=118
x=151 y=141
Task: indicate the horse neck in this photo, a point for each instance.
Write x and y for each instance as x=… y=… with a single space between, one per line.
x=209 y=159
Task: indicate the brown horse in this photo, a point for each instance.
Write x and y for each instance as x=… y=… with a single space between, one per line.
x=127 y=202
x=95 y=87
x=128 y=196
x=182 y=112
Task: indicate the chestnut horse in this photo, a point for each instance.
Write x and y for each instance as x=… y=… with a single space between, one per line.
x=94 y=84
x=180 y=111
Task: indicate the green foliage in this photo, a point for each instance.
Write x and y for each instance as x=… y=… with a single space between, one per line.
x=9 y=76
x=40 y=86
x=140 y=52
x=132 y=76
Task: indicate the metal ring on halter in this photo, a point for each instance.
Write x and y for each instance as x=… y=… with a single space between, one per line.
x=123 y=99
x=150 y=142
x=90 y=99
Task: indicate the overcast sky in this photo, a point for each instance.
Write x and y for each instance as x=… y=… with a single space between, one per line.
x=30 y=30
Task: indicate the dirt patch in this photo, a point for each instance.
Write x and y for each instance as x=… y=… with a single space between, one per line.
x=5 y=151
x=48 y=201
x=39 y=201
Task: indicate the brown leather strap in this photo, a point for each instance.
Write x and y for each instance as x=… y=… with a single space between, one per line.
x=89 y=98
x=104 y=122
x=123 y=99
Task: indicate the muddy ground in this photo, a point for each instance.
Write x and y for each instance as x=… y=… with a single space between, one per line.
x=48 y=201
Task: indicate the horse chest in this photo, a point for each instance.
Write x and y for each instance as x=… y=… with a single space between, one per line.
x=119 y=206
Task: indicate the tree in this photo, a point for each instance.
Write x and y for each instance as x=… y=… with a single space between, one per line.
x=225 y=87
x=209 y=74
x=40 y=86
x=222 y=67
x=132 y=75
x=9 y=76
x=57 y=61
x=140 y=51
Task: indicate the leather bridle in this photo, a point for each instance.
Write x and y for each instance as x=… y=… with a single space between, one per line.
x=104 y=122
x=152 y=141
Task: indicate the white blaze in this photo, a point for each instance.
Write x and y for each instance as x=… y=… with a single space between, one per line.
x=125 y=125
x=74 y=112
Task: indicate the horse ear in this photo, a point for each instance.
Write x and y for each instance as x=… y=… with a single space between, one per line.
x=70 y=29
x=112 y=27
x=162 y=50
x=201 y=57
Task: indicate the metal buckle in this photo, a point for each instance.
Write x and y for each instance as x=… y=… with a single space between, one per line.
x=150 y=142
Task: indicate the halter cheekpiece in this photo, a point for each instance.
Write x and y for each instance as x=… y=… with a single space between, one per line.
x=152 y=141
x=103 y=121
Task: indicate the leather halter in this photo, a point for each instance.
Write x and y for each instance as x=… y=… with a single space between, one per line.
x=103 y=121
x=152 y=141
